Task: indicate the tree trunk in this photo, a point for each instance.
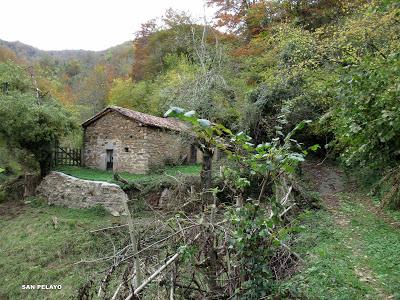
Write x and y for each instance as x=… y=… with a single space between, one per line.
x=212 y=265
x=136 y=280
x=43 y=155
x=45 y=165
x=31 y=181
x=206 y=175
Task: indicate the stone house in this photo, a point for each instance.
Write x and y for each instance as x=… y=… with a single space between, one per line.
x=121 y=139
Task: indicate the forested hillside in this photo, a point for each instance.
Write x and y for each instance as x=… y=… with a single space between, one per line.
x=300 y=98
x=79 y=79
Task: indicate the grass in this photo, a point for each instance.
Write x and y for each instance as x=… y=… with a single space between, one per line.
x=380 y=244
x=336 y=255
x=35 y=251
x=40 y=244
x=101 y=175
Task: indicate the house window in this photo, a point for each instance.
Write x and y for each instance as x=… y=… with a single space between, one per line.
x=126 y=149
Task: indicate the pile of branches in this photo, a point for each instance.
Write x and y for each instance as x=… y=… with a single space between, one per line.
x=188 y=256
x=167 y=193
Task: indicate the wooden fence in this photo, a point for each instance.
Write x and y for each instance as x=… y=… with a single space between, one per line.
x=67 y=157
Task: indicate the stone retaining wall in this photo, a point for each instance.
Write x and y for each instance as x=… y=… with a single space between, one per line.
x=64 y=190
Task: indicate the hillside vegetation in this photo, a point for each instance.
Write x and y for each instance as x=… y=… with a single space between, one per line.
x=79 y=79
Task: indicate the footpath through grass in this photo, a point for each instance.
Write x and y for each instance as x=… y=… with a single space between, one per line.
x=102 y=175
x=357 y=259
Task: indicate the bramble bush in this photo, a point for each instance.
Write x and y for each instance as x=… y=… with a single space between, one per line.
x=255 y=222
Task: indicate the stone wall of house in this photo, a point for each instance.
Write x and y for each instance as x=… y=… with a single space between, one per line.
x=136 y=148
x=64 y=190
x=165 y=147
x=122 y=135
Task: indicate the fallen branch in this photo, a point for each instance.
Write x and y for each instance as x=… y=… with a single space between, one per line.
x=160 y=241
x=285 y=199
x=117 y=291
x=108 y=228
x=134 y=241
x=188 y=287
x=156 y=273
x=286 y=210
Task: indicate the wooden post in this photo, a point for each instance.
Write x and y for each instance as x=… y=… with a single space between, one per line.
x=206 y=175
x=55 y=156
x=135 y=241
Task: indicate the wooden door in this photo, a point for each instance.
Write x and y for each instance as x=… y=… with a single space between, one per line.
x=110 y=159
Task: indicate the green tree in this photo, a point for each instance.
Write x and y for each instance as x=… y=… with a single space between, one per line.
x=72 y=68
x=92 y=91
x=34 y=124
x=137 y=96
x=367 y=118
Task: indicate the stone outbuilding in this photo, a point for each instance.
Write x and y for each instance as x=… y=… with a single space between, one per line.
x=121 y=139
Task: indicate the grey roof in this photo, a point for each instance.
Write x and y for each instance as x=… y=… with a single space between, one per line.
x=145 y=119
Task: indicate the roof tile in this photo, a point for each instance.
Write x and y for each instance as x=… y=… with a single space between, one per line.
x=149 y=120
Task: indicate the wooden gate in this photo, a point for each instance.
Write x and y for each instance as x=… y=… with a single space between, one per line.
x=67 y=156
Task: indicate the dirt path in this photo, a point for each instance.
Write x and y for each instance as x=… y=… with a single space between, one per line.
x=329 y=181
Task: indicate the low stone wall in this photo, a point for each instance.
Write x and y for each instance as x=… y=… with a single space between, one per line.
x=64 y=190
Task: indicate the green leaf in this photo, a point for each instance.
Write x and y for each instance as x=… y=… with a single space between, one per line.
x=173 y=112
x=190 y=114
x=204 y=122
x=315 y=147
x=296 y=156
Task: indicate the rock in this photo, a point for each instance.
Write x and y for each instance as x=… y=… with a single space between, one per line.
x=64 y=190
